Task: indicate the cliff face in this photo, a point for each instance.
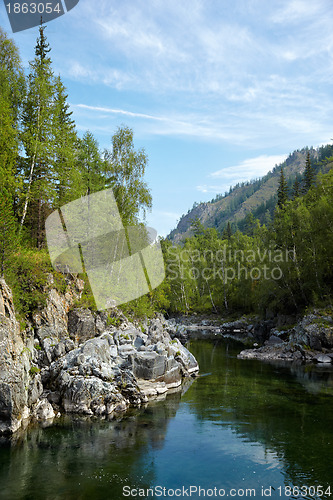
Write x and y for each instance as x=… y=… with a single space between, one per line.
x=14 y=366
x=71 y=360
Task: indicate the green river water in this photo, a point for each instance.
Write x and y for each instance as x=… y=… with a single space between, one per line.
x=243 y=429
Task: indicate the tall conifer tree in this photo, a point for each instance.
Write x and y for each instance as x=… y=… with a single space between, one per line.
x=309 y=173
x=37 y=139
x=282 y=190
x=67 y=178
x=296 y=189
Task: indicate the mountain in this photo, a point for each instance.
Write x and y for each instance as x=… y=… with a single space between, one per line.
x=258 y=197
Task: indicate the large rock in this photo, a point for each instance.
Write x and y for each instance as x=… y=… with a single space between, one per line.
x=14 y=366
x=322 y=358
x=69 y=360
x=81 y=325
x=271 y=352
x=315 y=331
x=149 y=365
x=186 y=359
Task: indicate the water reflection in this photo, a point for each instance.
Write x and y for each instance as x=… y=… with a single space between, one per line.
x=285 y=407
x=85 y=458
x=242 y=424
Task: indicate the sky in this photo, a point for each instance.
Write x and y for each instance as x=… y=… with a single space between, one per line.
x=216 y=91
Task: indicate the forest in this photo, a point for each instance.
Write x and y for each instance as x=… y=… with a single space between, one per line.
x=282 y=265
x=44 y=164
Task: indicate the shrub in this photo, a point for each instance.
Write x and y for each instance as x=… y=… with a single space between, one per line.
x=28 y=277
x=34 y=370
x=86 y=300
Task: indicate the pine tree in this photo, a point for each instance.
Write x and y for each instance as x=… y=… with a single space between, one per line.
x=197 y=227
x=282 y=190
x=64 y=151
x=90 y=165
x=309 y=173
x=296 y=189
x=227 y=232
x=38 y=141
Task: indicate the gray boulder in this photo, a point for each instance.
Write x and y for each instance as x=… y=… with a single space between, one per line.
x=322 y=358
x=273 y=339
x=149 y=365
x=81 y=325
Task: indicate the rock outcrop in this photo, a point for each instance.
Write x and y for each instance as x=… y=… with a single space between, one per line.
x=71 y=360
x=310 y=340
x=14 y=366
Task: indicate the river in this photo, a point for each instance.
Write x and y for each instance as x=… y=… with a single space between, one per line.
x=242 y=429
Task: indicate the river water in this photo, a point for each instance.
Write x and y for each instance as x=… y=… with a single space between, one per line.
x=242 y=429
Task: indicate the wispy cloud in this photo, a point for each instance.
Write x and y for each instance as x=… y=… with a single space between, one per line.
x=193 y=125
x=120 y=112
x=250 y=168
x=246 y=170
x=246 y=79
x=298 y=11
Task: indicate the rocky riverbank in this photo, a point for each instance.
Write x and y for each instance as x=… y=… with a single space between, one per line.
x=309 y=339
x=71 y=360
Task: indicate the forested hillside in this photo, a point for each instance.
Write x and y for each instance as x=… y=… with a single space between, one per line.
x=45 y=164
x=257 y=197
x=282 y=267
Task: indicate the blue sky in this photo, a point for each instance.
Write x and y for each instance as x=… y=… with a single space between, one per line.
x=216 y=91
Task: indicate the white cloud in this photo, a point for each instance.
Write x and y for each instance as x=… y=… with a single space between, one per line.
x=246 y=170
x=120 y=112
x=298 y=11
x=250 y=168
x=246 y=79
x=192 y=125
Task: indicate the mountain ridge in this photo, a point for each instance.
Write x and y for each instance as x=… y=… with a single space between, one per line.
x=258 y=196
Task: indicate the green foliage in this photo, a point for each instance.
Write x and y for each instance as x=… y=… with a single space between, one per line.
x=309 y=173
x=34 y=370
x=140 y=308
x=113 y=320
x=282 y=190
x=124 y=171
x=280 y=268
x=30 y=275
x=86 y=300
x=90 y=165
x=296 y=189
x=8 y=236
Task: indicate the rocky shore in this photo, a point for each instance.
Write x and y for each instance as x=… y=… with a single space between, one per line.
x=303 y=339
x=71 y=360
x=310 y=340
